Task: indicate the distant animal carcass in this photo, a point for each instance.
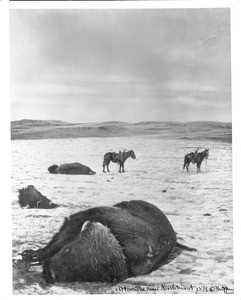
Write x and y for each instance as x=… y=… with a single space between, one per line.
x=72 y=169
x=30 y=197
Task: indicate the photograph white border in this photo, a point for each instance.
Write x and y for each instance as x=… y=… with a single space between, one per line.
x=5 y=6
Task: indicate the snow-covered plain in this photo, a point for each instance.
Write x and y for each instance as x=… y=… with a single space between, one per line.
x=198 y=205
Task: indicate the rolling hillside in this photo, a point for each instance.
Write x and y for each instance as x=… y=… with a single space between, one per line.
x=52 y=129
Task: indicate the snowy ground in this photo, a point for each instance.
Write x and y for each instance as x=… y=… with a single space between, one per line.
x=199 y=206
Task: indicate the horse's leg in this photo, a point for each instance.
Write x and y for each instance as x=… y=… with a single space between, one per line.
x=108 y=167
x=123 y=168
x=185 y=163
x=120 y=168
x=104 y=164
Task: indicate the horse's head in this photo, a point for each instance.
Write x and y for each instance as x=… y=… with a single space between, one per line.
x=52 y=169
x=132 y=153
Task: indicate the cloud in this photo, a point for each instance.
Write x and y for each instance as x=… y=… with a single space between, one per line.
x=93 y=58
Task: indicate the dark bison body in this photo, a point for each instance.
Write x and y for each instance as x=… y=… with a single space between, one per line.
x=95 y=255
x=29 y=197
x=143 y=231
x=72 y=169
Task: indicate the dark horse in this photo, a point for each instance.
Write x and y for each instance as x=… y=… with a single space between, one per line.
x=119 y=158
x=195 y=158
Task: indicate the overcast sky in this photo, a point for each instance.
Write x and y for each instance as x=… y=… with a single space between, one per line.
x=123 y=65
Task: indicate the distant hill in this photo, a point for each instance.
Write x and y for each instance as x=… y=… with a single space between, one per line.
x=52 y=129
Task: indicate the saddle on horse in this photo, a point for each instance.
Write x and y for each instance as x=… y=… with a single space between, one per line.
x=194 y=158
x=117 y=156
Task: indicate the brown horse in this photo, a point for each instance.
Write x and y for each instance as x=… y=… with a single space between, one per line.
x=119 y=158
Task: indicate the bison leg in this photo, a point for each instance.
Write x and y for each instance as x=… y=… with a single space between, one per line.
x=67 y=233
x=32 y=256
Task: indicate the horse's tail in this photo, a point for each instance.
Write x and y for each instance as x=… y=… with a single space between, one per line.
x=185 y=247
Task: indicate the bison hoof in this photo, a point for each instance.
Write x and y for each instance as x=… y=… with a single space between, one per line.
x=27 y=255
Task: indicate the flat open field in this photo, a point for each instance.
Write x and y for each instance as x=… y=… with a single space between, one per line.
x=199 y=206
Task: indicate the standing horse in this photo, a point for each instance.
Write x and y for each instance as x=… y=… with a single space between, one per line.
x=121 y=160
x=189 y=158
x=200 y=157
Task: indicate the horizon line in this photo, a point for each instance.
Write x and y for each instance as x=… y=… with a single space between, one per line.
x=114 y=121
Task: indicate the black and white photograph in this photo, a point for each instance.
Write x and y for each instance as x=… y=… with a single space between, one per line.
x=121 y=151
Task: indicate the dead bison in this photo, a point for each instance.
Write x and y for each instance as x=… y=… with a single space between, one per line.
x=29 y=197
x=143 y=231
x=72 y=168
x=95 y=255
